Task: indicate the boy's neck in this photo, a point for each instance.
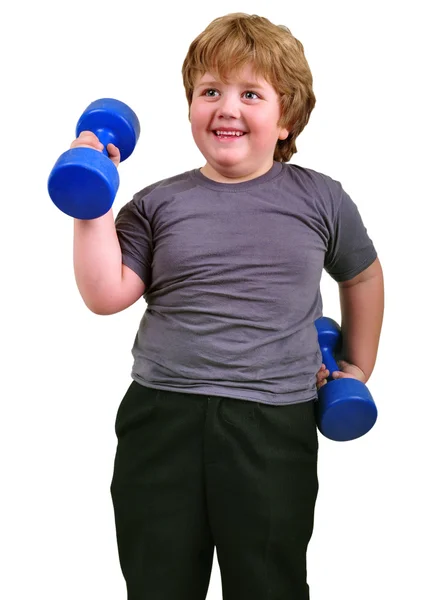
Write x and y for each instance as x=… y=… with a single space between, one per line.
x=211 y=173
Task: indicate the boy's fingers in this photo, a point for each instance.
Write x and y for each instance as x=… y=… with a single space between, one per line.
x=114 y=154
x=322 y=375
x=113 y=150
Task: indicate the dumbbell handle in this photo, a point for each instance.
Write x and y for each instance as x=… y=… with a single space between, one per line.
x=329 y=361
x=105 y=137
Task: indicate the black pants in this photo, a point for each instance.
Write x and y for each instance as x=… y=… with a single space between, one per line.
x=197 y=472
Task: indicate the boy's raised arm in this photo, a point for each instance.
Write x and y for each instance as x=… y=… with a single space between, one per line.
x=105 y=284
x=362 y=308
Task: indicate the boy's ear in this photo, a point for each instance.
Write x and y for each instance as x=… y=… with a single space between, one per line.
x=284 y=129
x=284 y=133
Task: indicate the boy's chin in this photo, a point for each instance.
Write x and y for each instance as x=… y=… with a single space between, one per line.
x=227 y=159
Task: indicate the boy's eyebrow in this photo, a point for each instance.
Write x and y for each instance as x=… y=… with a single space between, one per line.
x=247 y=84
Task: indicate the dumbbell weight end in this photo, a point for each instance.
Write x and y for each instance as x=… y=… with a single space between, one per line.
x=345 y=410
x=83 y=183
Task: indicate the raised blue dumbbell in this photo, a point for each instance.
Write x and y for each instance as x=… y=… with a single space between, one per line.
x=345 y=409
x=83 y=182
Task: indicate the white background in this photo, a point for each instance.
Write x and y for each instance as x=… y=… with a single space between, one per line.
x=64 y=370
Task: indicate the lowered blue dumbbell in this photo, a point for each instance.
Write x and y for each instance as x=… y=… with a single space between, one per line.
x=83 y=182
x=345 y=409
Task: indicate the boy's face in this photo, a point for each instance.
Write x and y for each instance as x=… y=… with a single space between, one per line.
x=248 y=105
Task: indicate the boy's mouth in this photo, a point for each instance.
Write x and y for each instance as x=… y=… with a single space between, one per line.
x=226 y=134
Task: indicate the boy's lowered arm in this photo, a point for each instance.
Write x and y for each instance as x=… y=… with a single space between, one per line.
x=362 y=307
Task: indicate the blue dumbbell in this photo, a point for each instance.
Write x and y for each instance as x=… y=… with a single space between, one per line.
x=345 y=409
x=83 y=182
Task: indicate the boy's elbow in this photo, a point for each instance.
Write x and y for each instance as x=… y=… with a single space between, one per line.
x=98 y=306
x=100 y=310
x=110 y=306
x=104 y=309
x=113 y=299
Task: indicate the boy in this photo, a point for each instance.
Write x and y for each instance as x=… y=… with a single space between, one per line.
x=217 y=440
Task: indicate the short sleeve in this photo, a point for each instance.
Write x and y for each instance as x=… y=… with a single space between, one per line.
x=350 y=249
x=135 y=238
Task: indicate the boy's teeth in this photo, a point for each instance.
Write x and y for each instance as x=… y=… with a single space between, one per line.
x=237 y=133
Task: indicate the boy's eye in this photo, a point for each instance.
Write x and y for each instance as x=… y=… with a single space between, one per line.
x=211 y=93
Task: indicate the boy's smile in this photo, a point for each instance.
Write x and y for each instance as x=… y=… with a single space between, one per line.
x=235 y=125
x=228 y=134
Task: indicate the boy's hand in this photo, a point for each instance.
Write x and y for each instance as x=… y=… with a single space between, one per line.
x=87 y=139
x=348 y=370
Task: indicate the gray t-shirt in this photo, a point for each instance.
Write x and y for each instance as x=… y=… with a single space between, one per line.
x=232 y=275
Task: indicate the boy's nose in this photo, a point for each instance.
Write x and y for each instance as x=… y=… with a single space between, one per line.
x=229 y=108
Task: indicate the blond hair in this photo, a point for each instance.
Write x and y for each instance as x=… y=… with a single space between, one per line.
x=229 y=43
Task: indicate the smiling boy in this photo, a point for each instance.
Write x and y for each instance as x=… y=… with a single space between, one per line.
x=217 y=439
x=248 y=110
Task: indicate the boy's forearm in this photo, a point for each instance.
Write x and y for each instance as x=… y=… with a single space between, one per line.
x=362 y=308
x=97 y=259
